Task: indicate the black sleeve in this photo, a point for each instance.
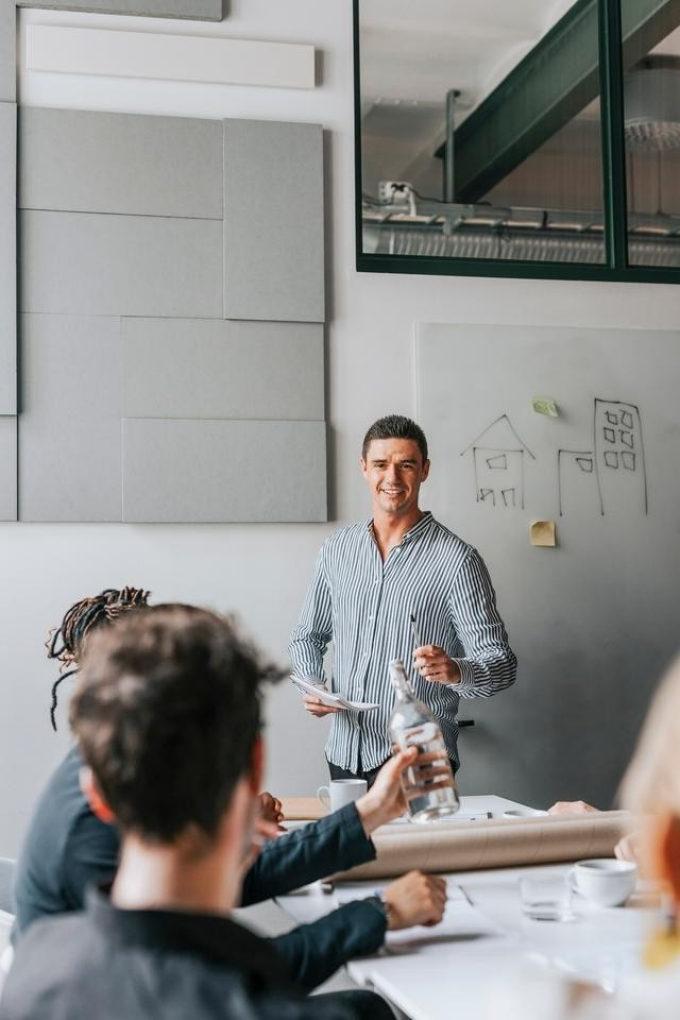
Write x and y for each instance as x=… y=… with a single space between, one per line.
x=334 y=843
x=313 y=952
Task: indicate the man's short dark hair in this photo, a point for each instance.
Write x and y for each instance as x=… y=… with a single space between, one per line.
x=395 y=426
x=166 y=712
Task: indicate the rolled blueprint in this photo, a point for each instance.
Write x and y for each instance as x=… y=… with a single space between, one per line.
x=492 y=843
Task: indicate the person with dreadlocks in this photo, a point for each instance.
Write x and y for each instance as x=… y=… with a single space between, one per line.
x=65 y=642
x=72 y=843
x=66 y=846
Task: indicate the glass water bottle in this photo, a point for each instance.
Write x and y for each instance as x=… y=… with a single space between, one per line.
x=412 y=723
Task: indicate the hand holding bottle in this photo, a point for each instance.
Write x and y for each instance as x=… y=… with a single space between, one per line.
x=385 y=800
x=428 y=784
x=431 y=769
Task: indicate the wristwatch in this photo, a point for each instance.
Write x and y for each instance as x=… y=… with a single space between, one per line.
x=383 y=906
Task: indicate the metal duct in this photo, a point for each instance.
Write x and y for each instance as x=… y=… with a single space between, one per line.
x=395 y=239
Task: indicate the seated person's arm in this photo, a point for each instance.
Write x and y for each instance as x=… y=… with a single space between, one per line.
x=313 y=952
x=335 y=843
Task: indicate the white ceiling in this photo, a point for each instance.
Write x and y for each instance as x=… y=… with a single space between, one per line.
x=414 y=51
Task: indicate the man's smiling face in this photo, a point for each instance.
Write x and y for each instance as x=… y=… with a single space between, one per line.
x=394 y=471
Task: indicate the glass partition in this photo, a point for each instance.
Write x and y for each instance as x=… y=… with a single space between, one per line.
x=526 y=138
x=480 y=129
x=651 y=111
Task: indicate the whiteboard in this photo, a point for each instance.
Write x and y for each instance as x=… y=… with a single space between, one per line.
x=595 y=619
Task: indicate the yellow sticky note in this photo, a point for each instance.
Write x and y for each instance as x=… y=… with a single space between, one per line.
x=543 y=533
x=545 y=405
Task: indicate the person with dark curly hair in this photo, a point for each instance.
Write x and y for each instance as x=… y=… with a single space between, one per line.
x=65 y=642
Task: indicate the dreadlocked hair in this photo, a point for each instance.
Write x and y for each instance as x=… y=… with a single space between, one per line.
x=65 y=642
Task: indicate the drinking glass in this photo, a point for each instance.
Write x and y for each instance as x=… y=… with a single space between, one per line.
x=547 y=898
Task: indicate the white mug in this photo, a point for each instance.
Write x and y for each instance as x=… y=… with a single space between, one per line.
x=604 y=881
x=340 y=792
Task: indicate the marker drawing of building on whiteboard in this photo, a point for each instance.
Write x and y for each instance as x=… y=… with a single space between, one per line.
x=614 y=469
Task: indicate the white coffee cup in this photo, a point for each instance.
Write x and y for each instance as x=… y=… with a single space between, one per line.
x=340 y=792
x=604 y=881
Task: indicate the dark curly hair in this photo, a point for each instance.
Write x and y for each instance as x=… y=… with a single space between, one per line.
x=65 y=642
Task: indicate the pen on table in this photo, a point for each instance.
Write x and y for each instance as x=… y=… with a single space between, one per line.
x=466 y=895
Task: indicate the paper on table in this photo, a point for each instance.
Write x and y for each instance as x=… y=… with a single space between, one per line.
x=461 y=921
x=333 y=700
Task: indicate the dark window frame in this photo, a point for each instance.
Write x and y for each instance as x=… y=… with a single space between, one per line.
x=616 y=266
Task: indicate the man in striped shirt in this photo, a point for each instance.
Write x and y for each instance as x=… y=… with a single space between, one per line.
x=370 y=579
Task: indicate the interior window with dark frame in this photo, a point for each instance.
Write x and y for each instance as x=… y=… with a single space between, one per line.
x=538 y=137
x=651 y=112
x=480 y=131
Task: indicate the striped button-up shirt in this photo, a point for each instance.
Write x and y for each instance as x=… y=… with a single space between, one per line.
x=364 y=605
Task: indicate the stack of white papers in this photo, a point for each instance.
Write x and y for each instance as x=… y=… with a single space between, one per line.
x=333 y=700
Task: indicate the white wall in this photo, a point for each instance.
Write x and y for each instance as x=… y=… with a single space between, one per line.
x=258 y=571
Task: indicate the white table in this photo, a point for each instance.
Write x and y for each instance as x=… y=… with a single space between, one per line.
x=437 y=973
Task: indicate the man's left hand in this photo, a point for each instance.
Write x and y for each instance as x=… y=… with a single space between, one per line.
x=434 y=665
x=266 y=826
x=263 y=832
x=270 y=808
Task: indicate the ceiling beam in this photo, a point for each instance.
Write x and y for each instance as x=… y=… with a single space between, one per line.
x=549 y=87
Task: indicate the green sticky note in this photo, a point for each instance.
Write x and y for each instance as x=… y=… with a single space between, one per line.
x=545 y=405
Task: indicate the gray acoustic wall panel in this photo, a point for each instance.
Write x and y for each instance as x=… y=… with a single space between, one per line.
x=202 y=368
x=94 y=264
x=249 y=471
x=198 y=10
x=8 y=69
x=273 y=221
x=69 y=428
x=8 y=468
x=79 y=161
x=8 y=286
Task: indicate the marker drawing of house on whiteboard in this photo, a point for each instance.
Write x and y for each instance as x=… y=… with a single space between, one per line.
x=498 y=456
